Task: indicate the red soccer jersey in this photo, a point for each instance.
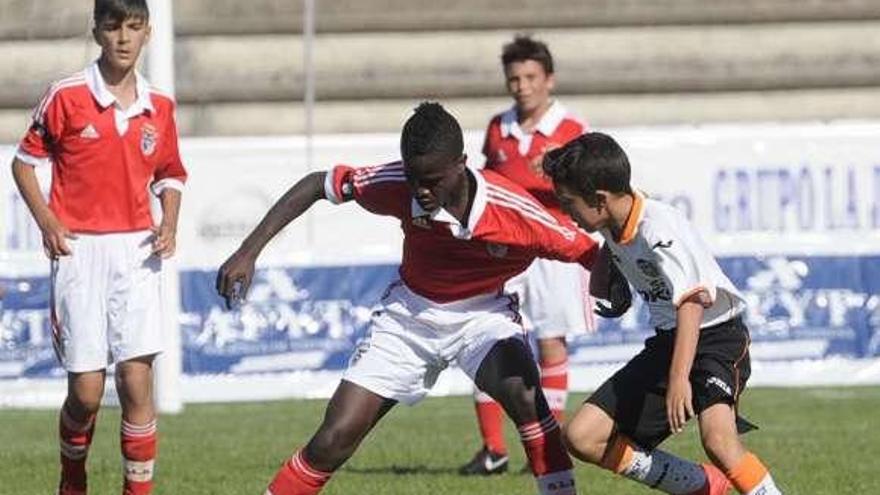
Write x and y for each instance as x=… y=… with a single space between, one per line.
x=516 y=154
x=103 y=158
x=446 y=261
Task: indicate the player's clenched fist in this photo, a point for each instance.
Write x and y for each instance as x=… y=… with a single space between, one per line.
x=234 y=277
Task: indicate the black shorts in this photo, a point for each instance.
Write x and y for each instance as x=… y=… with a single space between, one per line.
x=635 y=396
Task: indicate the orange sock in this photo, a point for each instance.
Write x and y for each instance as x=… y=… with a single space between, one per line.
x=619 y=456
x=751 y=474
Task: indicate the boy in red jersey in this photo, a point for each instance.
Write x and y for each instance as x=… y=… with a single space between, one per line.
x=466 y=232
x=515 y=143
x=696 y=365
x=108 y=138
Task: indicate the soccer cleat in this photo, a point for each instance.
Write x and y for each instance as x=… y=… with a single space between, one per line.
x=717 y=481
x=485 y=463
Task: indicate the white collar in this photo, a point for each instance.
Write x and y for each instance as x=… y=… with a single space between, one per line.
x=441 y=215
x=105 y=98
x=546 y=126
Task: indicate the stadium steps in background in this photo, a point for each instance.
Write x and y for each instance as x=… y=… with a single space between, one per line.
x=29 y=19
x=620 y=62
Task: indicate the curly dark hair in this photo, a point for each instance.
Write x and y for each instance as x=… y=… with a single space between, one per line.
x=431 y=129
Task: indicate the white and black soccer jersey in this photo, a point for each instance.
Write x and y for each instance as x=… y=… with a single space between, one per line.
x=666 y=261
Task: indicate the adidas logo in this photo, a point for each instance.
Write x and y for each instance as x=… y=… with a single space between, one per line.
x=89 y=132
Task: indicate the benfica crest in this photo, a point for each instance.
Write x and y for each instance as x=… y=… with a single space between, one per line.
x=149 y=136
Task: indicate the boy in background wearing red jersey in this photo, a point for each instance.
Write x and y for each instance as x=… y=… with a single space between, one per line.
x=109 y=138
x=555 y=295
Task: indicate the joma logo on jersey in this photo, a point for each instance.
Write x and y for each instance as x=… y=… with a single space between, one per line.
x=714 y=380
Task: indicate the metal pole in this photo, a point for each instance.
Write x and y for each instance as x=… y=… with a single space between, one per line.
x=168 y=365
x=309 y=95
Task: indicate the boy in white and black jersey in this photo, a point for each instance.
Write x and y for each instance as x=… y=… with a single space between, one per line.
x=697 y=363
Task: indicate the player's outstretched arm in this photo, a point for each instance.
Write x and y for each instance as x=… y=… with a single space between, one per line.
x=236 y=273
x=55 y=234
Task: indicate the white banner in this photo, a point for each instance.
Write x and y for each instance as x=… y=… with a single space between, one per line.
x=793 y=211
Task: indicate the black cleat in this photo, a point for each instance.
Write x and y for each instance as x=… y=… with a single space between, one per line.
x=485 y=463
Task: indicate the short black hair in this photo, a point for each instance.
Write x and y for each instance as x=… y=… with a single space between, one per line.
x=592 y=162
x=431 y=129
x=524 y=47
x=120 y=10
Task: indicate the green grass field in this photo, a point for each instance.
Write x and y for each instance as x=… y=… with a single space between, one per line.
x=816 y=441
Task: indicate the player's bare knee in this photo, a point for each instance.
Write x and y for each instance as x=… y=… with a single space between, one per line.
x=581 y=443
x=84 y=403
x=333 y=444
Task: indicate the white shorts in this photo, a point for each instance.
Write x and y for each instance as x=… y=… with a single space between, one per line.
x=555 y=298
x=413 y=339
x=105 y=303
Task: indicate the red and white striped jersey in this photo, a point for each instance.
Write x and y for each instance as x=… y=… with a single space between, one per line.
x=446 y=261
x=516 y=154
x=103 y=157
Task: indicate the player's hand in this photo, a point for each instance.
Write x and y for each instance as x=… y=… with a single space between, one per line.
x=679 y=403
x=619 y=295
x=164 y=240
x=234 y=278
x=55 y=236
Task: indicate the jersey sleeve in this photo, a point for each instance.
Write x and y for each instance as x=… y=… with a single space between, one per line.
x=381 y=189
x=45 y=131
x=676 y=253
x=520 y=220
x=170 y=174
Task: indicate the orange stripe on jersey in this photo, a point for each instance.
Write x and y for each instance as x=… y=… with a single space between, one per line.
x=705 y=302
x=736 y=364
x=632 y=222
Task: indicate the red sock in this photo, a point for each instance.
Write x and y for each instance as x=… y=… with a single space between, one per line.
x=490 y=416
x=297 y=477
x=543 y=443
x=139 y=445
x=554 y=381
x=74 y=439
